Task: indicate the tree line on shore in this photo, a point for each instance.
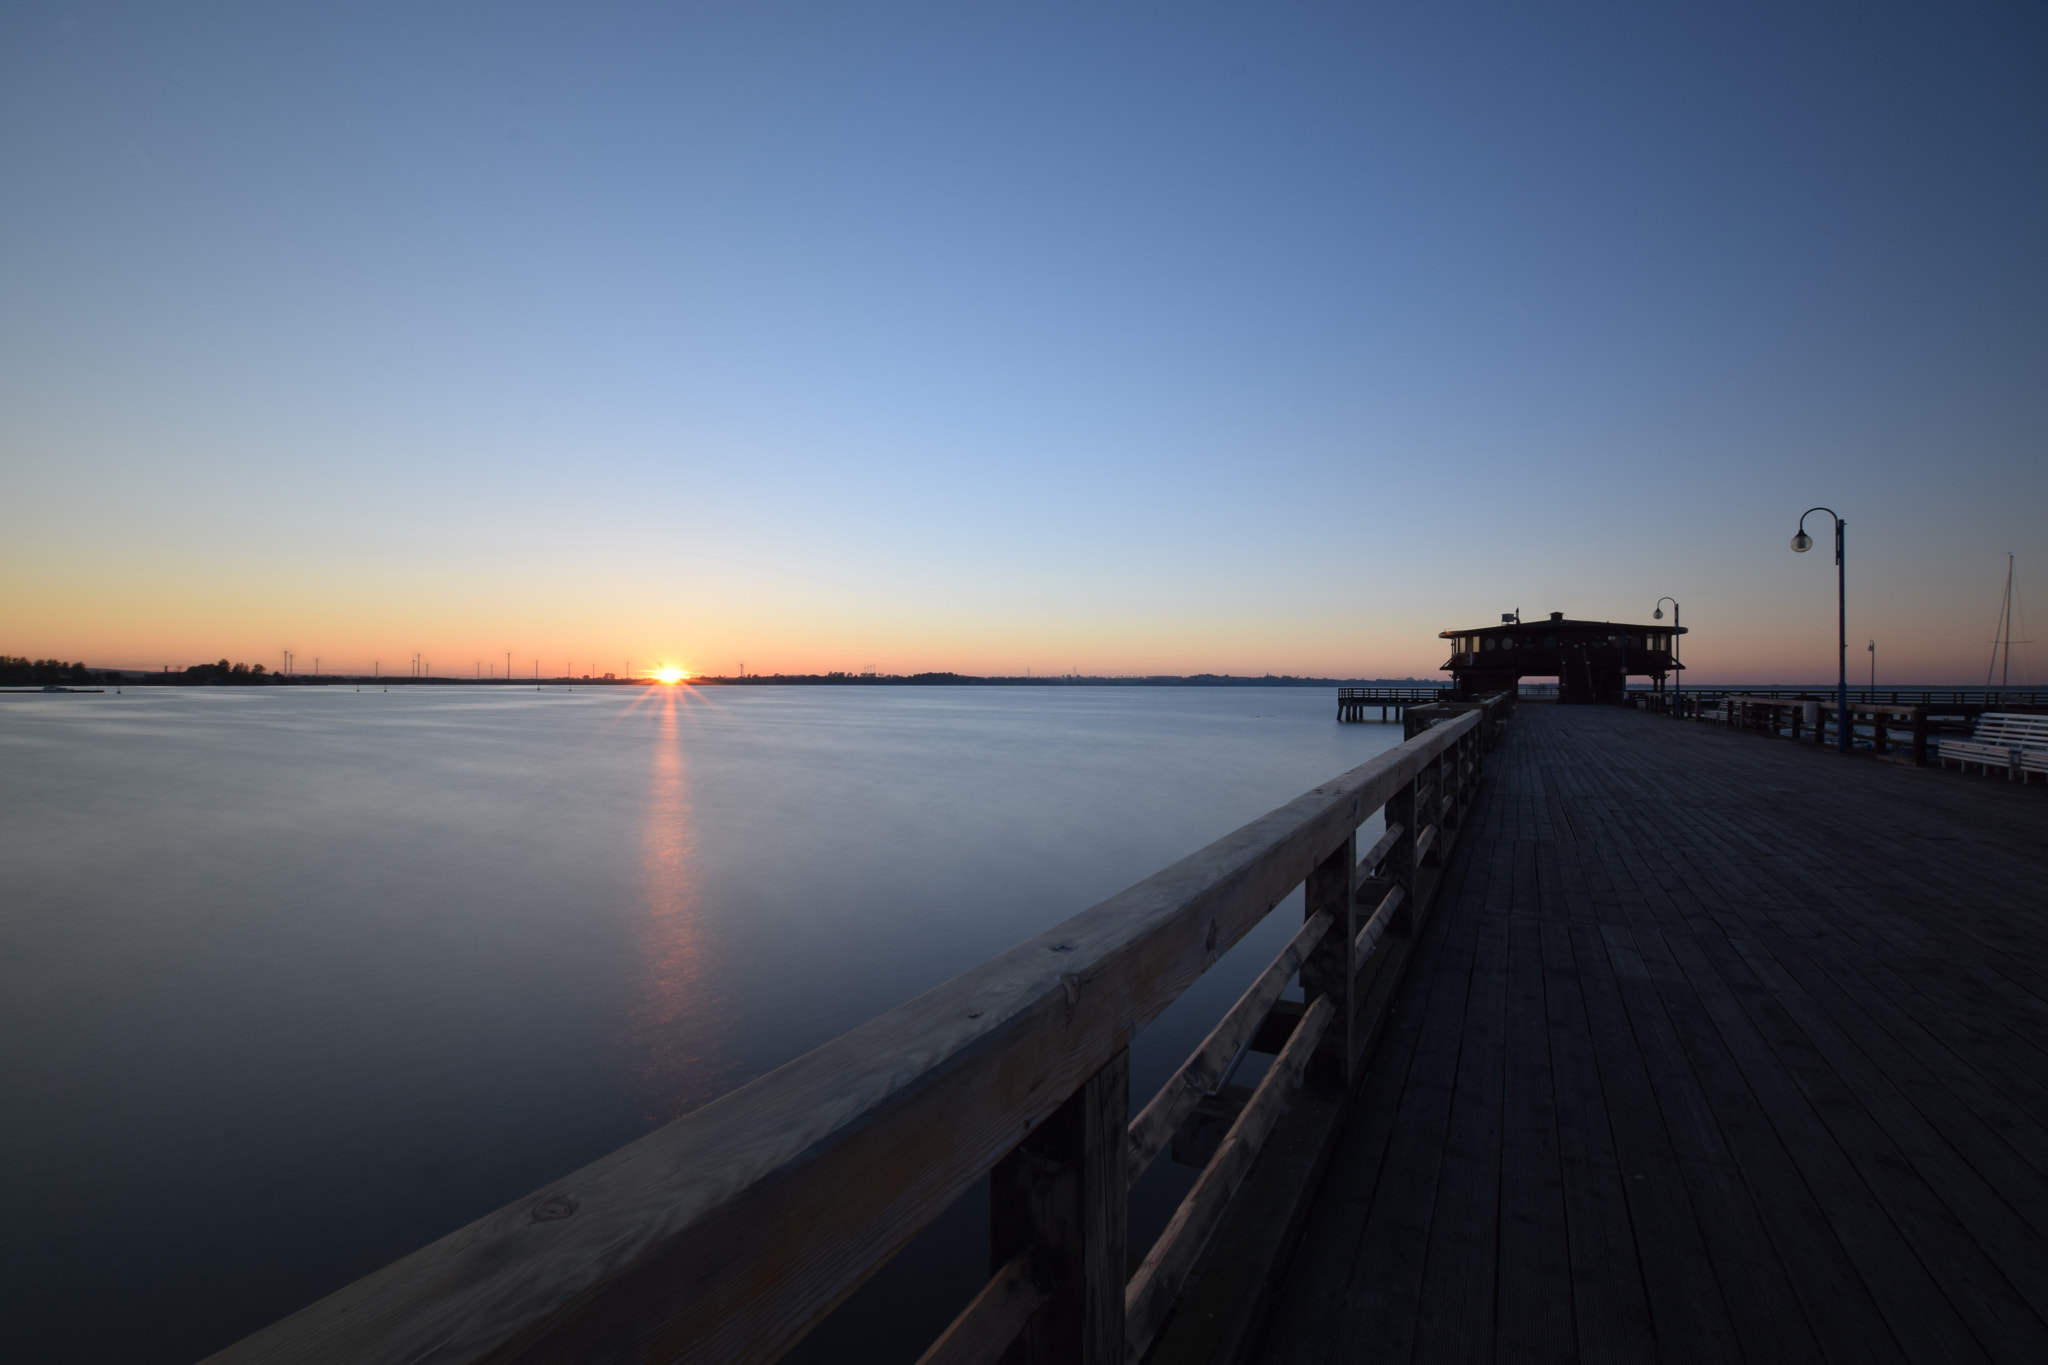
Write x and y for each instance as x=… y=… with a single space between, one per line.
x=16 y=671
x=21 y=672
x=225 y=672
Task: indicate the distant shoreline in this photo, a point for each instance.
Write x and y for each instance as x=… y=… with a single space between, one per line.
x=139 y=678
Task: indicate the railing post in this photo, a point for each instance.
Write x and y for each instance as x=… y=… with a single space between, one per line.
x=1446 y=786
x=1062 y=1194
x=1400 y=864
x=1333 y=887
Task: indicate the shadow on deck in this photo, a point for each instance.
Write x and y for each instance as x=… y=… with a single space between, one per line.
x=1713 y=1049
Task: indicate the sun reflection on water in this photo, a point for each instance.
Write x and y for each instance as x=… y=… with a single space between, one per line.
x=674 y=1027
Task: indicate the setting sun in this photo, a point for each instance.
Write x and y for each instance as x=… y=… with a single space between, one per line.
x=669 y=675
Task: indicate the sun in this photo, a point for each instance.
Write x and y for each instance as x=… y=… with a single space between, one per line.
x=669 y=675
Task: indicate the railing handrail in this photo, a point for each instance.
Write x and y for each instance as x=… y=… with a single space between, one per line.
x=1864 y=696
x=730 y=1232
x=1425 y=692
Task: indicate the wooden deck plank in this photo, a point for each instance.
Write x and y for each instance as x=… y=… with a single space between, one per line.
x=1726 y=1048
x=1846 y=1320
x=1950 y=1073
x=1687 y=1312
x=1943 y=1145
x=1534 y=1317
x=1610 y=1309
x=1917 y=997
x=1843 y=1006
x=1951 y=1221
x=1754 y=1279
x=1973 y=1294
x=1379 y=1305
x=1330 y=1250
x=1828 y=1293
x=1972 y=1285
x=1764 y=1312
x=1454 y=1318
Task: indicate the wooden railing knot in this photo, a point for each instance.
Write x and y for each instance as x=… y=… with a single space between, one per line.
x=554 y=1208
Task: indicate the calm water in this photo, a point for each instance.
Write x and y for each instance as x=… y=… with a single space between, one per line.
x=294 y=981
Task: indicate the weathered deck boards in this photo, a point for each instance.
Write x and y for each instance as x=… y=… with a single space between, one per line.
x=1715 y=1049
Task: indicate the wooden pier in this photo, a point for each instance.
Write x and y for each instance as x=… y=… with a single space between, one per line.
x=1393 y=702
x=1714 y=1050
x=730 y=1233
x=1629 y=1039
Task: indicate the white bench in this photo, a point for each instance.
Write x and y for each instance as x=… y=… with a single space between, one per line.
x=2007 y=740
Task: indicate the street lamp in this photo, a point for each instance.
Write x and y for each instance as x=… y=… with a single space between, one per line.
x=1801 y=543
x=1677 y=676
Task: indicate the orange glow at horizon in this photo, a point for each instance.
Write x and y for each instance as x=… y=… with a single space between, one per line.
x=669 y=675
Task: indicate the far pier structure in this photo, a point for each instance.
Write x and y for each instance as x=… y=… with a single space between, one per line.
x=1591 y=660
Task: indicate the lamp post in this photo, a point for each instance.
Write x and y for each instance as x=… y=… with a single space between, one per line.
x=1801 y=543
x=1677 y=675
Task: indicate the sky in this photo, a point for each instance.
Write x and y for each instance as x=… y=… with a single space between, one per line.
x=1118 y=339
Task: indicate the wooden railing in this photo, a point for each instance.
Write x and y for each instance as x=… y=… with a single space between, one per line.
x=1882 y=726
x=731 y=1232
x=1352 y=702
x=1401 y=694
x=1994 y=697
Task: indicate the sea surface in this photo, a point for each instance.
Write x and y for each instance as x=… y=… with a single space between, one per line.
x=295 y=980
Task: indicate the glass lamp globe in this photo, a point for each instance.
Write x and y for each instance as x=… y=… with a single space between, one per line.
x=1802 y=542
x=1657 y=615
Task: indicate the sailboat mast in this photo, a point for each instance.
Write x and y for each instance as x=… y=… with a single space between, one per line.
x=2005 y=677
x=2003 y=634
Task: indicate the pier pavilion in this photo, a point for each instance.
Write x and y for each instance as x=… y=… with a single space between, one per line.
x=1591 y=660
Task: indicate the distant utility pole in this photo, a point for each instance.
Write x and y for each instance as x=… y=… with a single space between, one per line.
x=508 y=665
x=1873 y=665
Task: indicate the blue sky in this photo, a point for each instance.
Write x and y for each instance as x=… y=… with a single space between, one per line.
x=1132 y=339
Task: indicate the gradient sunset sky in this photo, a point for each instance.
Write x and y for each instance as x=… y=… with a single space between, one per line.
x=1118 y=338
